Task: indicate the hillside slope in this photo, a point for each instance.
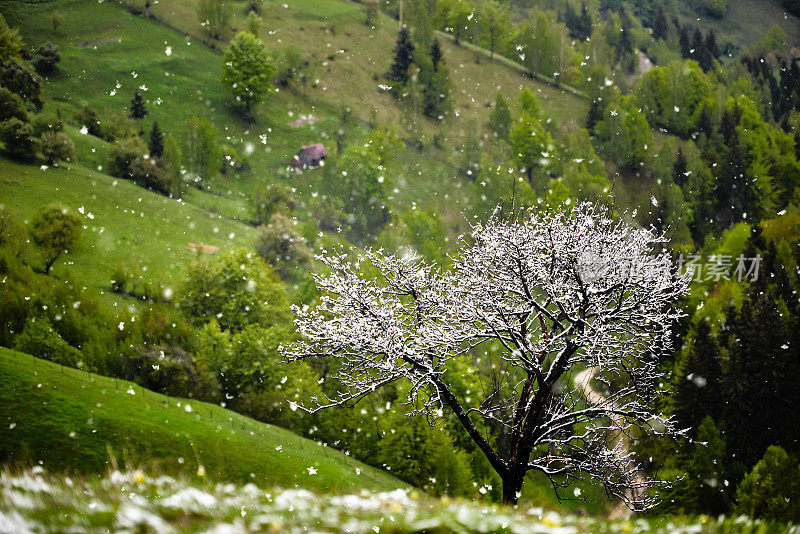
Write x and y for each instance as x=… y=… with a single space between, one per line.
x=68 y=420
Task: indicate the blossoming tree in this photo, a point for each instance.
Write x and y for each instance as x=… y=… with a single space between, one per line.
x=554 y=293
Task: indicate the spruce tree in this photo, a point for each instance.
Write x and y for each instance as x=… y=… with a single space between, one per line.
x=697 y=381
x=697 y=44
x=155 y=144
x=436 y=53
x=500 y=119
x=585 y=22
x=403 y=57
x=138 y=109
x=660 y=25
x=711 y=44
x=683 y=39
x=680 y=169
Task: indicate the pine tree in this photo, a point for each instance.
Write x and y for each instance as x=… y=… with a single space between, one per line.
x=697 y=44
x=660 y=25
x=437 y=56
x=155 y=144
x=500 y=119
x=680 y=169
x=585 y=22
x=403 y=57
x=711 y=44
x=683 y=39
x=138 y=109
x=698 y=377
x=572 y=22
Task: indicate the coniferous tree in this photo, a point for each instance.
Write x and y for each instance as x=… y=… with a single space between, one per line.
x=403 y=57
x=680 y=169
x=500 y=119
x=585 y=22
x=711 y=44
x=684 y=42
x=155 y=144
x=697 y=44
x=436 y=54
x=698 y=378
x=138 y=109
x=660 y=25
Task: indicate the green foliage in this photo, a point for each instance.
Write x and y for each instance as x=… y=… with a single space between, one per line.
x=500 y=119
x=247 y=71
x=236 y=289
x=41 y=340
x=122 y=154
x=772 y=489
x=436 y=89
x=155 y=143
x=357 y=180
x=494 y=20
x=672 y=97
x=775 y=38
x=10 y=41
x=531 y=144
x=202 y=150
x=22 y=80
x=254 y=23
x=426 y=234
x=87 y=116
x=624 y=135
x=423 y=455
x=215 y=17
x=403 y=58
x=45 y=122
x=54 y=229
x=461 y=19
x=150 y=173
x=56 y=146
x=172 y=159
x=17 y=137
x=11 y=106
x=280 y=244
x=272 y=199
x=138 y=109
x=171 y=371
x=46 y=58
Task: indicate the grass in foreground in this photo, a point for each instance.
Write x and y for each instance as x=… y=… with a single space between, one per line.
x=134 y=501
x=67 y=421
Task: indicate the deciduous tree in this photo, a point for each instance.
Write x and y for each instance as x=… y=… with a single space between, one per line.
x=552 y=292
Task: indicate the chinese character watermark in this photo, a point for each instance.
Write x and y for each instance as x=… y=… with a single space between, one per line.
x=719 y=267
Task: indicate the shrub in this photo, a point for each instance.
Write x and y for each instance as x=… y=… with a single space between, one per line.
x=46 y=122
x=54 y=230
x=772 y=489
x=11 y=106
x=57 y=147
x=150 y=173
x=172 y=371
x=40 y=339
x=46 y=58
x=17 y=136
x=282 y=246
x=87 y=116
x=122 y=154
x=21 y=79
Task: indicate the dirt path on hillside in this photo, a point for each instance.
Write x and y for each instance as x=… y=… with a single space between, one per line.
x=583 y=381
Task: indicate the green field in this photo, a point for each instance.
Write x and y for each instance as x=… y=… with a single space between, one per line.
x=129 y=226
x=71 y=421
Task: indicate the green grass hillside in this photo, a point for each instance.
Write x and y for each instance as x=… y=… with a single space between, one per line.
x=67 y=420
x=124 y=224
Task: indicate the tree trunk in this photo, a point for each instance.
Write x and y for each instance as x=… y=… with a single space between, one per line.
x=512 y=485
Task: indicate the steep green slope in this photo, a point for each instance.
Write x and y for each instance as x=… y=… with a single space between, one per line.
x=124 y=224
x=69 y=419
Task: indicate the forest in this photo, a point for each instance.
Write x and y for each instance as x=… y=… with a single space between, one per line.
x=527 y=254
